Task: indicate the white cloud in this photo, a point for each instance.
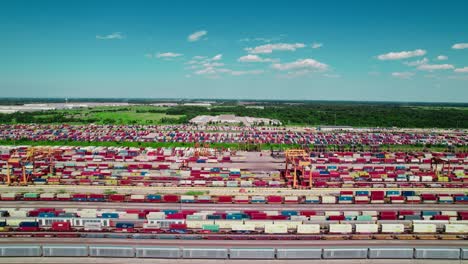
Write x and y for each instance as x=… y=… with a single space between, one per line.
x=168 y=55
x=402 y=55
x=301 y=64
x=433 y=67
x=217 y=57
x=442 y=57
x=213 y=64
x=417 y=62
x=250 y=72
x=459 y=77
x=464 y=69
x=149 y=55
x=197 y=35
x=460 y=46
x=255 y=58
x=269 y=48
x=115 y=35
x=403 y=75
x=198 y=57
x=317 y=45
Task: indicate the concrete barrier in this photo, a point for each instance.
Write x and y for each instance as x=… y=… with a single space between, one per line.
x=437 y=253
x=111 y=251
x=157 y=252
x=391 y=253
x=344 y=253
x=299 y=253
x=252 y=253
x=21 y=251
x=205 y=253
x=64 y=251
x=464 y=253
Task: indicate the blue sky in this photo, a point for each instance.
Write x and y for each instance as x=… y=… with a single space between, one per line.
x=317 y=50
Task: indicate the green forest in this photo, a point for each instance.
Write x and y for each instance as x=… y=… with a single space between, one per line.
x=300 y=114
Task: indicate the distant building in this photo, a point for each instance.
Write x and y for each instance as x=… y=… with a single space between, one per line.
x=198 y=104
x=232 y=119
x=334 y=128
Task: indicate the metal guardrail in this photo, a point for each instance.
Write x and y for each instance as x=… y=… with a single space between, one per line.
x=233 y=253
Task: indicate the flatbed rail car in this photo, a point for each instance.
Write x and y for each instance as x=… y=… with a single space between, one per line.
x=397 y=229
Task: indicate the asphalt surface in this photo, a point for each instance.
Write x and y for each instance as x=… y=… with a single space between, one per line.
x=76 y=260
x=232 y=207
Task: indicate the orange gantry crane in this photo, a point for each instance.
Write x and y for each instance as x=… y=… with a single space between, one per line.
x=298 y=159
x=33 y=154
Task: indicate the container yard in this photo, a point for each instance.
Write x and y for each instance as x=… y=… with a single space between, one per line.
x=168 y=194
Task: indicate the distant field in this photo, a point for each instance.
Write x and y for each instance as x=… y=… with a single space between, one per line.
x=305 y=114
x=142 y=115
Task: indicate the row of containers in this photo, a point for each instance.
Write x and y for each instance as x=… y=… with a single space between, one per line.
x=72 y=224
x=331 y=176
x=244 y=135
x=344 y=197
x=179 y=154
x=136 y=214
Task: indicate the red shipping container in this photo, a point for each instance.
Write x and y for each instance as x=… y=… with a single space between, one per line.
x=169 y=198
x=178 y=226
x=336 y=218
x=61 y=226
x=274 y=199
x=308 y=213
x=224 y=199
x=116 y=198
x=441 y=217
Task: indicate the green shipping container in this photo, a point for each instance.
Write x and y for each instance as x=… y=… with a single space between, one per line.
x=212 y=228
x=364 y=218
x=30 y=195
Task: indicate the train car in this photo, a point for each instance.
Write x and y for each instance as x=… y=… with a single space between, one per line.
x=28 y=226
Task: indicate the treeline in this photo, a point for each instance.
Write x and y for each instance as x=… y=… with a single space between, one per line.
x=351 y=115
x=358 y=115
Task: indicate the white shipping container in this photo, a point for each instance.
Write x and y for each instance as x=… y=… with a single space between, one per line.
x=156 y=215
x=367 y=228
x=228 y=223
x=328 y=199
x=290 y=198
x=424 y=228
x=318 y=218
x=340 y=228
x=449 y=213
x=243 y=227
x=269 y=213
x=456 y=228
x=308 y=229
x=276 y=229
x=198 y=223
x=393 y=228
x=329 y=213
x=259 y=223
x=290 y=224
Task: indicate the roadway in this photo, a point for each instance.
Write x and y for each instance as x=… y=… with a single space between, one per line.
x=231 y=207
